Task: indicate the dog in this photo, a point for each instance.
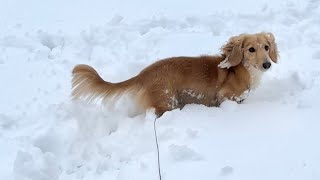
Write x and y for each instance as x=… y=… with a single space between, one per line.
x=174 y=82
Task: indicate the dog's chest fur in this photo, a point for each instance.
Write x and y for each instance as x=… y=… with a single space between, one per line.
x=255 y=76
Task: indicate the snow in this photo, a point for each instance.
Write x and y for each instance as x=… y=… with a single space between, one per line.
x=193 y=94
x=44 y=136
x=224 y=64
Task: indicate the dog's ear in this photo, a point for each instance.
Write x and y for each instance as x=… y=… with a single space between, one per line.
x=273 y=49
x=233 y=51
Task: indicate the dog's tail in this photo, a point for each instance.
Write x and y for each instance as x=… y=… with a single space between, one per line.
x=89 y=86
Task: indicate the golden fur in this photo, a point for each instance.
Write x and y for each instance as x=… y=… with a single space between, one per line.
x=174 y=82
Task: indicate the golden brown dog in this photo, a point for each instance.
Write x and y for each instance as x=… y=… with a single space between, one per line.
x=174 y=82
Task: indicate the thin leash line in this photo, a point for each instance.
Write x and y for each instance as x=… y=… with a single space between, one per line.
x=158 y=154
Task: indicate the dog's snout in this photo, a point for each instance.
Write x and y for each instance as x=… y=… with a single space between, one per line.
x=266 y=65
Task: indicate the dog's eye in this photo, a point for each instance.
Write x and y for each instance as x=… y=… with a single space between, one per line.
x=266 y=48
x=252 y=49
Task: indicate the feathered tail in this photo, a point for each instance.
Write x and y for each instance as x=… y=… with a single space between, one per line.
x=89 y=86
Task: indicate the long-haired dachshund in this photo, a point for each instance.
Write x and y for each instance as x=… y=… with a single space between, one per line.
x=174 y=82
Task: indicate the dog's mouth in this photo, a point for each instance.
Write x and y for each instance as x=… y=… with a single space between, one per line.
x=247 y=64
x=263 y=67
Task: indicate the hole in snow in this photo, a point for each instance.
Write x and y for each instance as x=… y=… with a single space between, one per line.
x=227 y=170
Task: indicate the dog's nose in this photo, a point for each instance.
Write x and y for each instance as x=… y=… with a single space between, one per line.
x=266 y=65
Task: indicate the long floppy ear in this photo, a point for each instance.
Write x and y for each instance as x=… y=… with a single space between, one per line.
x=233 y=51
x=273 y=50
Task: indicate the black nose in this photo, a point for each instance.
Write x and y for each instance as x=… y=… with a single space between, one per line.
x=266 y=65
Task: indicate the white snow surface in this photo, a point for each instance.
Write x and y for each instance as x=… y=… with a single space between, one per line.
x=273 y=135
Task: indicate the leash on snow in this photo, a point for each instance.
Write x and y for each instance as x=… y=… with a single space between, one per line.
x=158 y=154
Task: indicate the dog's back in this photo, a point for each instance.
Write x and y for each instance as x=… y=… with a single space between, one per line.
x=164 y=85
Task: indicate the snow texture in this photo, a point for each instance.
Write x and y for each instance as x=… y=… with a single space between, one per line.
x=224 y=64
x=273 y=134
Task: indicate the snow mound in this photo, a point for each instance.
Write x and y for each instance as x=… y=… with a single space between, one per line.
x=36 y=166
x=183 y=153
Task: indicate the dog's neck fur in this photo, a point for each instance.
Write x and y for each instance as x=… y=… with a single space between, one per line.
x=255 y=75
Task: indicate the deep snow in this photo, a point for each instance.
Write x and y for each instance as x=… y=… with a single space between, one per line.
x=44 y=136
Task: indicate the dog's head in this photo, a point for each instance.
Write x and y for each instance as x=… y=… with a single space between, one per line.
x=257 y=50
